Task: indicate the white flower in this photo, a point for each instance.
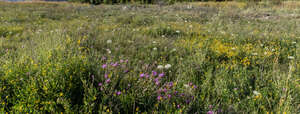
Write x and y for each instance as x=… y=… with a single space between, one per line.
x=191 y=26
x=233 y=48
x=173 y=50
x=155 y=49
x=291 y=57
x=273 y=49
x=256 y=93
x=294 y=42
x=254 y=54
x=109 y=41
x=160 y=67
x=108 y=51
x=186 y=85
x=177 y=31
x=167 y=66
x=154 y=42
x=163 y=36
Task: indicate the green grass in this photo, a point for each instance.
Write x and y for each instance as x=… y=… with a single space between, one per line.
x=225 y=57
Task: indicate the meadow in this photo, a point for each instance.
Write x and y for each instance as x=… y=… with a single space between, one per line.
x=199 y=57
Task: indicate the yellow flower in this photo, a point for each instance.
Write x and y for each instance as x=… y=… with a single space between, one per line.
x=137 y=109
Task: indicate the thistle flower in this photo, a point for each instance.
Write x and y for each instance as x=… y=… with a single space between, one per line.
x=170 y=84
x=100 y=84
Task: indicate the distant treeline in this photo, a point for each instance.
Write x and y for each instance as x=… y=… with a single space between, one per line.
x=155 y=1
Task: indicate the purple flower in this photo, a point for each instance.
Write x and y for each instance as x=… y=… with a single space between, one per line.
x=195 y=86
x=187 y=101
x=108 y=80
x=147 y=76
x=105 y=76
x=126 y=61
x=114 y=64
x=104 y=66
x=161 y=75
x=121 y=61
x=182 y=94
x=165 y=90
x=159 y=98
x=169 y=96
x=118 y=93
x=126 y=71
x=142 y=75
x=178 y=106
x=210 y=112
x=154 y=73
x=156 y=79
x=100 y=84
x=103 y=58
x=190 y=84
x=175 y=93
x=157 y=83
x=170 y=84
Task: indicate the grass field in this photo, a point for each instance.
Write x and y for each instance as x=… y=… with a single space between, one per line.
x=225 y=57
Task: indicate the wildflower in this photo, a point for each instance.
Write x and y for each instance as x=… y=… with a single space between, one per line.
x=105 y=76
x=104 y=66
x=121 y=61
x=167 y=66
x=156 y=79
x=177 y=31
x=210 y=112
x=171 y=84
x=291 y=57
x=115 y=64
x=159 y=98
x=154 y=73
x=169 y=96
x=294 y=42
x=165 y=90
x=142 y=75
x=256 y=93
x=119 y=93
x=108 y=51
x=126 y=71
x=109 y=41
x=190 y=84
x=108 y=80
x=154 y=42
x=161 y=75
x=147 y=76
x=103 y=58
x=160 y=67
x=178 y=106
x=157 y=83
x=173 y=50
x=194 y=86
x=100 y=84
x=154 y=48
x=254 y=54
